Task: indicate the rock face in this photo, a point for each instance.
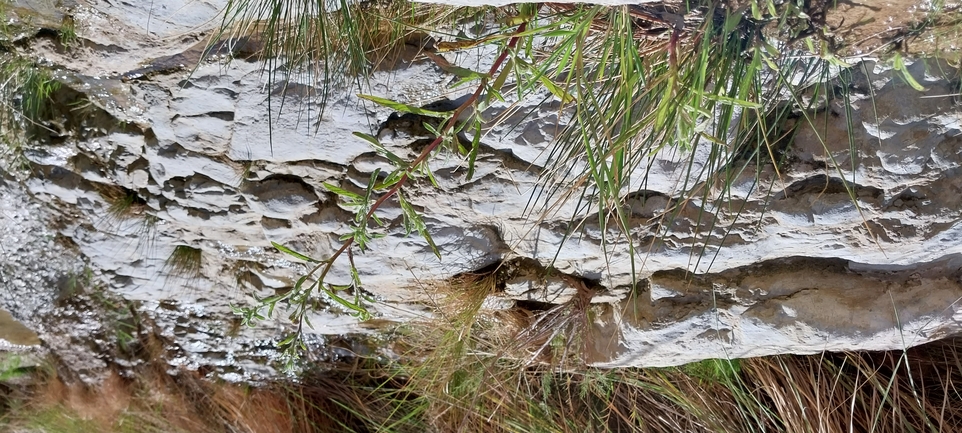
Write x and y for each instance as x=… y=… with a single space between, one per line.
x=863 y=256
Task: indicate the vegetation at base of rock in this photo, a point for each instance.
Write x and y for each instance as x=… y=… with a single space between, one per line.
x=913 y=390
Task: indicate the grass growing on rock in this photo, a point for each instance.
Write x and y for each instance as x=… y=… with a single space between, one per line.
x=123 y=203
x=703 y=78
x=184 y=262
x=339 y=42
x=25 y=95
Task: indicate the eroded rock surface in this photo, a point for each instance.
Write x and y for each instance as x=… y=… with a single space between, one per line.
x=863 y=256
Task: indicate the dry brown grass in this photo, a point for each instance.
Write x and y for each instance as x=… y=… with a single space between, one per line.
x=102 y=405
x=877 y=392
x=255 y=410
x=917 y=390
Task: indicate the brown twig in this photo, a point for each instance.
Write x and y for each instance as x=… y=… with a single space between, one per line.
x=425 y=154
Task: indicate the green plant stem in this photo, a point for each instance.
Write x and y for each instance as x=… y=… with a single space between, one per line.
x=451 y=122
x=425 y=154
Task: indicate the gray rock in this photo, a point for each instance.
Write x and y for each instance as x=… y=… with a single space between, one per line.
x=793 y=262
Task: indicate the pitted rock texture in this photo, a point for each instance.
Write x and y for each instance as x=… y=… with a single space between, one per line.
x=782 y=306
x=218 y=164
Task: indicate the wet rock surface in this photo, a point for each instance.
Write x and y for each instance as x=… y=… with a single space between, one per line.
x=810 y=258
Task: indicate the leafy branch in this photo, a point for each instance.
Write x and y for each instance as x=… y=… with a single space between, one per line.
x=707 y=80
x=365 y=207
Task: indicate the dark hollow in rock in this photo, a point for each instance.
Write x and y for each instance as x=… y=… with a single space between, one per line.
x=281 y=196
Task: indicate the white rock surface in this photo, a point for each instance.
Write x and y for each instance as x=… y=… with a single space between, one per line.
x=802 y=267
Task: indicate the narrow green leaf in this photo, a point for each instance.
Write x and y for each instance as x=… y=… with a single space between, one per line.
x=392 y=179
x=465 y=80
x=475 y=145
x=430 y=241
x=730 y=100
x=771 y=49
x=293 y=253
x=379 y=148
x=297 y=285
x=563 y=95
x=900 y=66
x=413 y=222
x=359 y=310
x=356 y=279
x=467 y=74
x=369 y=138
x=430 y=128
x=339 y=288
x=341 y=192
x=733 y=19
x=288 y=340
x=502 y=77
x=559 y=33
x=771 y=8
x=405 y=108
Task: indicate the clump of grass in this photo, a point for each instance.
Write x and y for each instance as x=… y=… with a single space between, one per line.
x=126 y=206
x=472 y=370
x=868 y=392
x=27 y=88
x=888 y=391
x=123 y=203
x=184 y=261
x=461 y=372
x=68 y=32
x=182 y=270
x=26 y=92
x=345 y=40
x=147 y=235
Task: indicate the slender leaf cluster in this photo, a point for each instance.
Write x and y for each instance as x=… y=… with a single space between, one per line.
x=711 y=82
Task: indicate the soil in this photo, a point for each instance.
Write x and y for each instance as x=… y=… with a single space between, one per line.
x=870 y=28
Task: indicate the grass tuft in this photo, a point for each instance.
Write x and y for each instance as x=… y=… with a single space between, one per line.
x=185 y=262
x=26 y=92
x=123 y=203
x=336 y=42
x=68 y=32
